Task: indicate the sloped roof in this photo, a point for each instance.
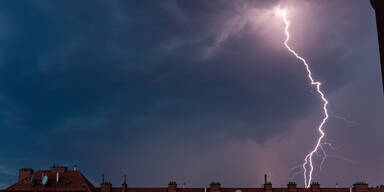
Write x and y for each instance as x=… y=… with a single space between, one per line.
x=68 y=181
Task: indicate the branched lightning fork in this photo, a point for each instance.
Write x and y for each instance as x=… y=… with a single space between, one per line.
x=308 y=160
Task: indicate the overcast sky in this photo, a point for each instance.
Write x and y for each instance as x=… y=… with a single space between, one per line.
x=191 y=91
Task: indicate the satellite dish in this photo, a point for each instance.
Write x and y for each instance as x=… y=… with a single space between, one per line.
x=45 y=180
x=238 y=190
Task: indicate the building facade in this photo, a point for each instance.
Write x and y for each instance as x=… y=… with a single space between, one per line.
x=60 y=179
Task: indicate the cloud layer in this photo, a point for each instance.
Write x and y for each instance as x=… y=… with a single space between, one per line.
x=193 y=91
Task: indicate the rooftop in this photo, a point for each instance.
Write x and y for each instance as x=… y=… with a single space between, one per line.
x=61 y=179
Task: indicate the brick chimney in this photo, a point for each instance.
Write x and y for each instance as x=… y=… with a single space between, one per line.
x=360 y=187
x=124 y=185
x=315 y=187
x=105 y=187
x=172 y=186
x=25 y=173
x=215 y=187
x=291 y=187
x=267 y=185
x=59 y=169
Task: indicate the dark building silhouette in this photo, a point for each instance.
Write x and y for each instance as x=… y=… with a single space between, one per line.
x=60 y=179
x=378 y=5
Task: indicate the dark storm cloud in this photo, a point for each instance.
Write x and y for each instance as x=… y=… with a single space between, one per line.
x=123 y=86
x=90 y=63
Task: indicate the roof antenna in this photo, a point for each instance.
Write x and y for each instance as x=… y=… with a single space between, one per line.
x=265 y=178
x=102 y=178
x=125 y=179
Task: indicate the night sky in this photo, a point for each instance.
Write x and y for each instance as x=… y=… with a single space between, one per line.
x=192 y=91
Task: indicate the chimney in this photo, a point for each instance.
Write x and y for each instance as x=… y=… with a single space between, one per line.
x=25 y=173
x=315 y=187
x=105 y=186
x=267 y=185
x=172 y=186
x=360 y=187
x=59 y=169
x=215 y=187
x=124 y=185
x=291 y=187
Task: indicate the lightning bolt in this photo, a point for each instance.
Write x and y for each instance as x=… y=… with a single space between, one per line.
x=308 y=160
